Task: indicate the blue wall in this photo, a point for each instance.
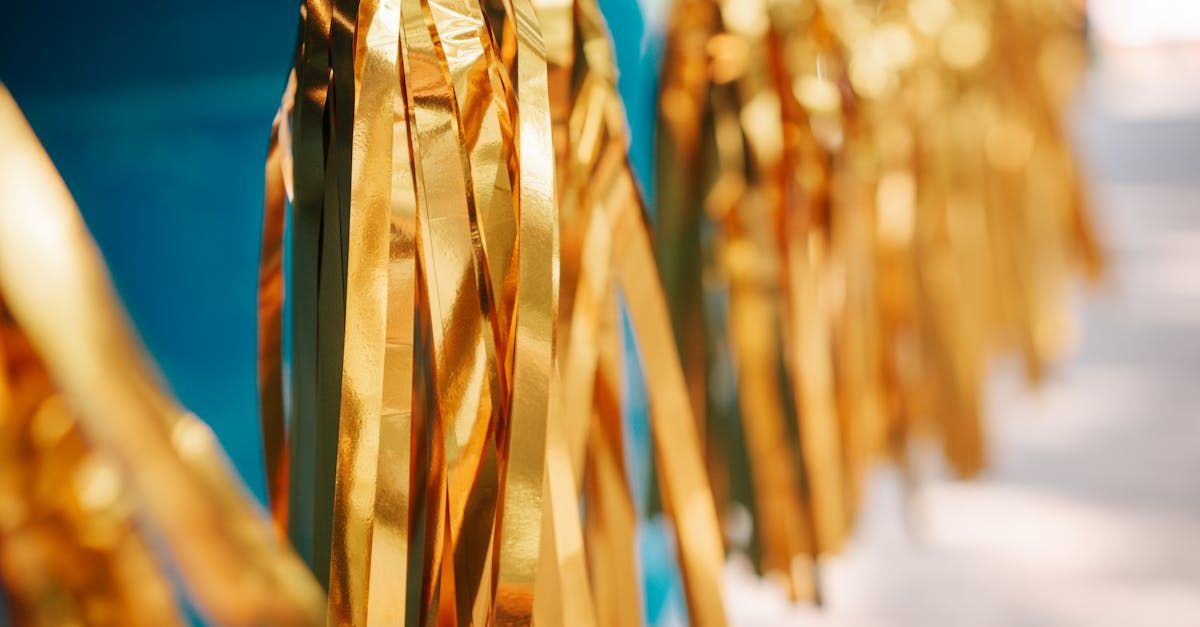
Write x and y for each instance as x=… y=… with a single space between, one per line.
x=157 y=116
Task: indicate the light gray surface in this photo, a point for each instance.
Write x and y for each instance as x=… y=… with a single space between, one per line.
x=1090 y=514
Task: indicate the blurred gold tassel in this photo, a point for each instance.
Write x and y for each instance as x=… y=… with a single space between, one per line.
x=860 y=201
x=97 y=461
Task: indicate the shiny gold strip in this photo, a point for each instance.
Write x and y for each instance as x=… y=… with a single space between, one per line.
x=389 y=573
x=455 y=382
x=360 y=420
x=563 y=592
x=799 y=36
x=466 y=365
x=557 y=25
x=478 y=138
x=586 y=226
x=427 y=501
x=954 y=405
x=333 y=273
x=582 y=352
x=488 y=125
x=532 y=345
x=270 y=309
x=462 y=364
x=485 y=126
x=312 y=78
x=685 y=489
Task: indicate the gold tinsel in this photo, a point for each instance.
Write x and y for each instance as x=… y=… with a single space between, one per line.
x=473 y=405
x=860 y=203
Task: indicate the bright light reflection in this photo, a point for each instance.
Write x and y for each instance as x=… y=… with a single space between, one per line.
x=1137 y=23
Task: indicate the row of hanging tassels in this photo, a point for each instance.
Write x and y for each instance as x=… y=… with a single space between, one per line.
x=858 y=204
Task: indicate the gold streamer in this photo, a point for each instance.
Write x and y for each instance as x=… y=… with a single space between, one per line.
x=504 y=136
x=450 y=255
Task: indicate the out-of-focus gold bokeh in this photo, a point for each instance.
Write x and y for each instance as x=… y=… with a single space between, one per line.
x=1090 y=509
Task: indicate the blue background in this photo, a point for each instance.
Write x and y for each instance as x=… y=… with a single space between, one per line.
x=157 y=116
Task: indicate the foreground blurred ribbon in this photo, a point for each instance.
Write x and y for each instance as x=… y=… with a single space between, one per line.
x=97 y=462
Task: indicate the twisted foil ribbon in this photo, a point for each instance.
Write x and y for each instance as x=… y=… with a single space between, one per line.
x=858 y=201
